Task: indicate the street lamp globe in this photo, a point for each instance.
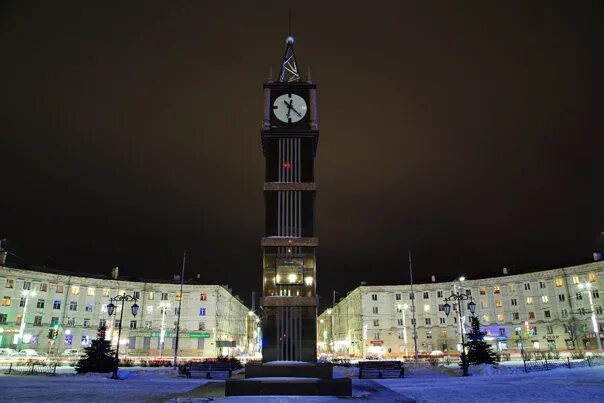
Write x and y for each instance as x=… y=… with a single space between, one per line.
x=134 y=309
x=110 y=308
x=472 y=307
x=447 y=308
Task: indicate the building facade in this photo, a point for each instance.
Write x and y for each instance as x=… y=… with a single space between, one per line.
x=54 y=311
x=557 y=309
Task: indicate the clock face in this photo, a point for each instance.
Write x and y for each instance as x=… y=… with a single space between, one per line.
x=289 y=108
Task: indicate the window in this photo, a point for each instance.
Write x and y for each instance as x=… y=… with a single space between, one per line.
x=468 y=292
x=376 y=322
x=3 y=318
x=527 y=286
x=75 y=290
x=136 y=294
x=547 y=314
x=27 y=285
x=441 y=307
x=502 y=331
x=516 y=316
x=559 y=282
x=90 y=291
x=397 y=296
x=102 y=322
x=426 y=294
x=533 y=331
x=10 y=283
x=426 y=308
x=579 y=296
x=500 y=317
x=203 y=296
x=441 y=321
x=529 y=300
x=54 y=321
x=73 y=305
x=486 y=318
x=428 y=334
x=106 y=292
x=376 y=336
x=22 y=302
x=496 y=290
x=576 y=280
x=116 y=323
x=411 y=296
x=544 y=298
x=563 y=313
x=374 y=297
x=561 y=297
x=18 y=319
x=592 y=277
x=132 y=324
x=88 y=307
x=202 y=326
x=71 y=322
x=59 y=289
x=176 y=310
x=541 y=284
x=164 y=296
x=549 y=329
x=599 y=310
x=595 y=294
x=40 y=304
x=43 y=287
x=56 y=304
x=37 y=320
x=148 y=324
x=428 y=321
x=375 y=309
x=514 y=302
x=483 y=291
x=512 y=287
x=498 y=303
x=202 y=311
x=413 y=321
x=531 y=315
x=439 y=294
x=399 y=322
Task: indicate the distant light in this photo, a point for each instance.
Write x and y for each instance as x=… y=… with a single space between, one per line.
x=287 y=165
x=290 y=39
x=292 y=278
x=462 y=278
x=329 y=311
x=67 y=332
x=308 y=280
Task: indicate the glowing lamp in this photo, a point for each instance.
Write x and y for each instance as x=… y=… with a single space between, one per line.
x=134 y=309
x=447 y=308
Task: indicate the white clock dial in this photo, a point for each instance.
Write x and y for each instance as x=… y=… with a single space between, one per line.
x=289 y=108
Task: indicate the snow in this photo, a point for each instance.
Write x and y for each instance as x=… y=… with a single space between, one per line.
x=283 y=379
x=289 y=363
x=423 y=383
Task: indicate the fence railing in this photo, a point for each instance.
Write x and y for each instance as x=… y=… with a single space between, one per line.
x=29 y=369
x=545 y=364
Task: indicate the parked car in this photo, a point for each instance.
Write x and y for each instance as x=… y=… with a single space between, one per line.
x=436 y=353
x=71 y=352
x=8 y=353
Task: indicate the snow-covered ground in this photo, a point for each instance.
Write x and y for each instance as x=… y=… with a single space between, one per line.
x=505 y=383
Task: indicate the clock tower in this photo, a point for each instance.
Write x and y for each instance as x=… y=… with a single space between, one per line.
x=290 y=133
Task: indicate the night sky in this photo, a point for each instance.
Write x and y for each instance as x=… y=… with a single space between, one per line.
x=472 y=133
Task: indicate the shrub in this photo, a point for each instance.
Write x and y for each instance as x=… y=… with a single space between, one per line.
x=577 y=355
x=433 y=361
x=126 y=362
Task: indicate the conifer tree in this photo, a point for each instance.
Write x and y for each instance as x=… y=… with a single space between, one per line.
x=479 y=351
x=99 y=355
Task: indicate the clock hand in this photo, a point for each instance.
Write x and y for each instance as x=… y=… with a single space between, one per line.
x=297 y=113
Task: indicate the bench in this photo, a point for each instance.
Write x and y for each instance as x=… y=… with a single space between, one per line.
x=381 y=369
x=207 y=368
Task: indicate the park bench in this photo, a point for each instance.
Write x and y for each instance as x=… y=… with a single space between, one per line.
x=207 y=368
x=381 y=369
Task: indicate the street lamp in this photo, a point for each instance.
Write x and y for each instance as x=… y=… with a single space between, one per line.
x=162 y=333
x=459 y=297
x=26 y=294
x=403 y=308
x=594 y=322
x=111 y=310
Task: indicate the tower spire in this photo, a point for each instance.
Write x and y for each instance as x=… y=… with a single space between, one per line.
x=289 y=66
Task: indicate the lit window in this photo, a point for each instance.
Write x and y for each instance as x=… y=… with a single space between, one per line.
x=90 y=291
x=105 y=292
x=56 y=304
x=75 y=290
x=10 y=283
x=149 y=308
x=529 y=300
x=485 y=318
x=151 y=295
x=500 y=317
x=376 y=322
x=18 y=319
x=178 y=295
x=498 y=303
x=531 y=315
x=203 y=296
x=6 y=301
x=484 y=304
x=576 y=280
x=496 y=290
x=592 y=277
x=43 y=287
x=426 y=308
x=483 y=291
x=202 y=311
x=559 y=282
x=512 y=287
x=544 y=298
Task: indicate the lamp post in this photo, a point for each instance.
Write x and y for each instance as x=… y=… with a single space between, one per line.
x=111 y=310
x=162 y=333
x=403 y=308
x=459 y=298
x=587 y=286
x=26 y=294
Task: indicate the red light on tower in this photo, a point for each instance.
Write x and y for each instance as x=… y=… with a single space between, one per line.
x=287 y=165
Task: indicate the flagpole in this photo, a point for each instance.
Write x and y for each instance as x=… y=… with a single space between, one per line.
x=413 y=308
x=182 y=279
